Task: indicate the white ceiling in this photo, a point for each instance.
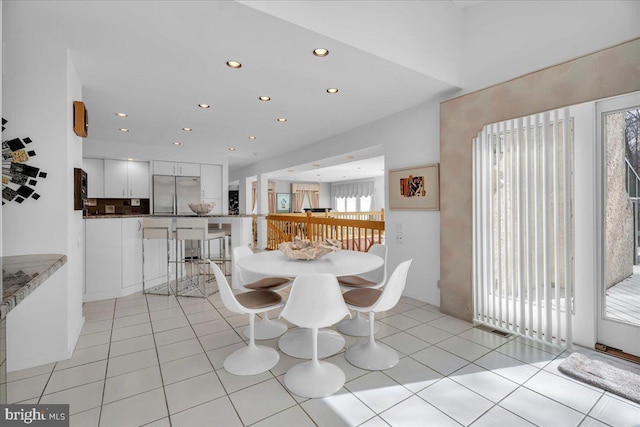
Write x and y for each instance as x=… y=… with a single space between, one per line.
x=156 y=60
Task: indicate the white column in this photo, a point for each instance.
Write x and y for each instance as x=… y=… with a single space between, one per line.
x=244 y=196
x=262 y=208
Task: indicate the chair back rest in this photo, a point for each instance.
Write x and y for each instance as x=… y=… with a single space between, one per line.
x=226 y=295
x=393 y=290
x=156 y=228
x=315 y=301
x=192 y=228
x=241 y=277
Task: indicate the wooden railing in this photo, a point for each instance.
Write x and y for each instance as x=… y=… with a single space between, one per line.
x=365 y=216
x=355 y=234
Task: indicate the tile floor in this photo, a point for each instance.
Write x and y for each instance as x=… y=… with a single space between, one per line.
x=157 y=361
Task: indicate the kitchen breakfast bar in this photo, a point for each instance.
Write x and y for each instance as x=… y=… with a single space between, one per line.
x=108 y=276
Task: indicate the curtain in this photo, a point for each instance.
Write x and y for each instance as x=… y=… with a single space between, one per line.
x=272 y=201
x=353 y=189
x=298 y=192
x=271 y=196
x=314 y=199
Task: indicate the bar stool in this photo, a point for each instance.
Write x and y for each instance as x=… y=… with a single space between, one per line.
x=157 y=229
x=195 y=229
x=222 y=245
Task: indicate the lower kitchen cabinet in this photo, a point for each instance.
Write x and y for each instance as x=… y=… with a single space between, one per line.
x=103 y=263
x=113 y=258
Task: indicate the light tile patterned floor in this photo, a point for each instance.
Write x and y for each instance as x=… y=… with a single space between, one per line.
x=157 y=361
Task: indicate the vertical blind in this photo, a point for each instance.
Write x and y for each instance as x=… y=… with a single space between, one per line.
x=523 y=226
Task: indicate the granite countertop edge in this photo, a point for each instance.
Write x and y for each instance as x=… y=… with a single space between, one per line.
x=39 y=266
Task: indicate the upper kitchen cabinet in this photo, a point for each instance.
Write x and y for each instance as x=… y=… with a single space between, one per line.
x=211 y=181
x=95 y=177
x=176 y=169
x=126 y=179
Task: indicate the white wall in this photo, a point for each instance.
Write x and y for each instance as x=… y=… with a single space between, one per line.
x=75 y=236
x=408 y=138
x=506 y=39
x=36 y=104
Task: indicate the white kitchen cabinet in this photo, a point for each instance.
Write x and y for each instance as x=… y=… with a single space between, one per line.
x=211 y=185
x=103 y=265
x=138 y=179
x=95 y=177
x=115 y=178
x=126 y=179
x=211 y=181
x=176 y=168
x=131 y=252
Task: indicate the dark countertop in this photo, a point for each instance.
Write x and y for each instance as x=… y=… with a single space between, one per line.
x=22 y=274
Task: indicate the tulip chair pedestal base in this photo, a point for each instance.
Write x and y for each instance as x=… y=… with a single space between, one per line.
x=314 y=379
x=358 y=326
x=251 y=360
x=372 y=356
x=299 y=343
x=266 y=329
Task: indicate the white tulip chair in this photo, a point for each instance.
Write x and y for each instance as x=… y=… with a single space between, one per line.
x=358 y=326
x=266 y=328
x=252 y=359
x=372 y=355
x=315 y=301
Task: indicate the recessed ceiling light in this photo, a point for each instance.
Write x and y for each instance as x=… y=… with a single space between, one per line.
x=123 y=130
x=122 y=115
x=177 y=143
x=231 y=149
x=350 y=157
x=130 y=159
x=290 y=170
x=252 y=137
x=282 y=119
x=234 y=64
x=316 y=165
x=187 y=129
x=320 y=52
x=264 y=98
x=203 y=105
x=332 y=90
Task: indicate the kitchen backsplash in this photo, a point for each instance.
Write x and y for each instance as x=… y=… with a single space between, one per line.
x=117 y=206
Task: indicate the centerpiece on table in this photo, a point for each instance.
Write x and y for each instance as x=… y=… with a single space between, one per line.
x=304 y=249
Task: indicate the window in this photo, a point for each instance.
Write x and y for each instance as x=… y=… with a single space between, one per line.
x=353 y=196
x=353 y=204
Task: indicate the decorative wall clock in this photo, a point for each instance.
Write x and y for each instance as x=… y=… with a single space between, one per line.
x=18 y=178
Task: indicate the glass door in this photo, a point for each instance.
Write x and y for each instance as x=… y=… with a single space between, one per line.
x=618 y=166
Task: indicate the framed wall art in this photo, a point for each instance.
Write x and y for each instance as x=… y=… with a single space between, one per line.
x=283 y=202
x=415 y=188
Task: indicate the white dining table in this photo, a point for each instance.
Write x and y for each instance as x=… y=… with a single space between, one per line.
x=298 y=342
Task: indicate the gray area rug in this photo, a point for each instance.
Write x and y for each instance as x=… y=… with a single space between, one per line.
x=619 y=378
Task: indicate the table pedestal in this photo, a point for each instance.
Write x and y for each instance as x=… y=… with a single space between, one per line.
x=298 y=343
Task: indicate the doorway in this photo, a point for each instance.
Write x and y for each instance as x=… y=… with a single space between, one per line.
x=618 y=222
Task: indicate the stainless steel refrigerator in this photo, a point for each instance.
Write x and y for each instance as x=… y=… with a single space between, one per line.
x=172 y=194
